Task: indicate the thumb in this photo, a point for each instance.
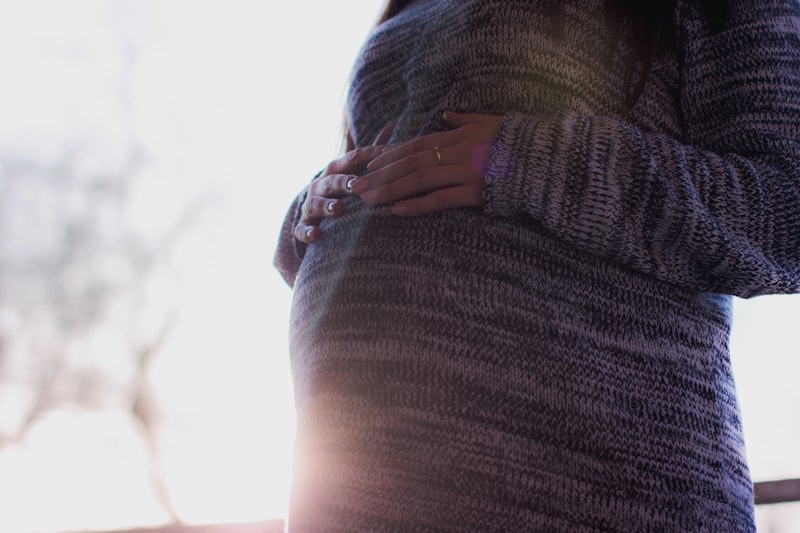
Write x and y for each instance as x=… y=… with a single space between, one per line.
x=385 y=134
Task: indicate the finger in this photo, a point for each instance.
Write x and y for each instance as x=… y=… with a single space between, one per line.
x=306 y=233
x=422 y=144
x=416 y=162
x=315 y=208
x=355 y=161
x=422 y=181
x=385 y=134
x=452 y=197
x=333 y=185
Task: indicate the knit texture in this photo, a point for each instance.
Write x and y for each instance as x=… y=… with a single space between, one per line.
x=558 y=360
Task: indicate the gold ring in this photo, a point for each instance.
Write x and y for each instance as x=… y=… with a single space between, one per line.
x=438 y=155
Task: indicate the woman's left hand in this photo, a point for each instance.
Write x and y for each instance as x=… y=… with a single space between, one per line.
x=439 y=171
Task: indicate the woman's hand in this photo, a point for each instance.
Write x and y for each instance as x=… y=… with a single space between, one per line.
x=324 y=193
x=439 y=171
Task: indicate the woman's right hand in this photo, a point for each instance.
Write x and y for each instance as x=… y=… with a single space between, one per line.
x=323 y=196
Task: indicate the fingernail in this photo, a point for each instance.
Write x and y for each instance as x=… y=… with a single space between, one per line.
x=330 y=206
x=309 y=232
x=349 y=184
x=359 y=186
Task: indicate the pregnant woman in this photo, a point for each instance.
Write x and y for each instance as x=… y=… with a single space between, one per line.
x=511 y=310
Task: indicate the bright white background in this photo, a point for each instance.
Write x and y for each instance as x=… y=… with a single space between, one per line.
x=230 y=106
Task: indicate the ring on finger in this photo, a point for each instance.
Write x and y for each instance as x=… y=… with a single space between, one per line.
x=438 y=155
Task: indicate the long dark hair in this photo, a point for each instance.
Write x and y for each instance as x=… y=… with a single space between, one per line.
x=651 y=22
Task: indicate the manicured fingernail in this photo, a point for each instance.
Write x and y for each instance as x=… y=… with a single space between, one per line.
x=349 y=184
x=399 y=209
x=359 y=186
x=331 y=205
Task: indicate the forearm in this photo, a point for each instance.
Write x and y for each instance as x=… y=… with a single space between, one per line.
x=688 y=216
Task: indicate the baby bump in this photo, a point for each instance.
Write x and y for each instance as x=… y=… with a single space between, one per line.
x=411 y=334
x=459 y=291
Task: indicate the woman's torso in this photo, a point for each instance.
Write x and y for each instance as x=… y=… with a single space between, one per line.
x=459 y=371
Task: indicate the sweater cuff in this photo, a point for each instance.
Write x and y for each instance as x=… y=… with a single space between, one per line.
x=516 y=169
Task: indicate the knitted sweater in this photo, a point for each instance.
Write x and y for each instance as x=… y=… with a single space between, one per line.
x=557 y=360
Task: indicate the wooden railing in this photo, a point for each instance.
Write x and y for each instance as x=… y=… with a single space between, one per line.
x=272 y=526
x=783 y=491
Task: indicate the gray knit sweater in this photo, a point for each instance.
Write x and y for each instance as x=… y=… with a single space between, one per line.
x=558 y=360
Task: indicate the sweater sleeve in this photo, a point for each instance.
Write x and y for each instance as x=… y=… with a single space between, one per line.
x=289 y=252
x=719 y=212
